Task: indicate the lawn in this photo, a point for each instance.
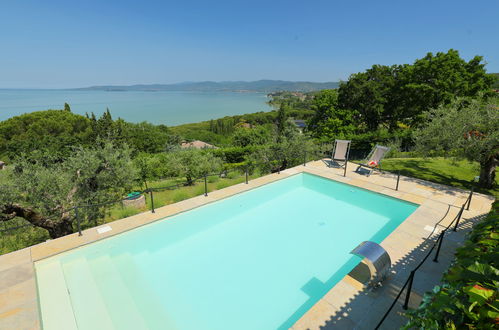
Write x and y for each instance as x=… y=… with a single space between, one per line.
x=448 y=171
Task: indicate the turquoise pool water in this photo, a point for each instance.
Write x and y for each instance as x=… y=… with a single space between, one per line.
x=257 y=260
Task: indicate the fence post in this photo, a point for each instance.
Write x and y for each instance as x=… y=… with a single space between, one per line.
x=459 y=217
x=469 y=197
x=304 y=157
x=78 y=221
x=398 y=179
x=409 y=288
x=205 y=187
x=246 y=173
x=152 y=200
x=440 y=239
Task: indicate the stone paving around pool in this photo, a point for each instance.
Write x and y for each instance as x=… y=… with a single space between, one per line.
x=348 y=305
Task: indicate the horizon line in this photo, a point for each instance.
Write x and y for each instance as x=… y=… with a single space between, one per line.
x=174 y=83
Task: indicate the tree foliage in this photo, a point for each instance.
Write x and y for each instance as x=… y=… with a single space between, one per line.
x=58 y=131
x=286 y=149
x=193 y=163
x=389 y=95
x=370 y=94
x=42 y=190
x=468 y=128
x=54 y=131
x=281 y=122
x=329 y=120
x=244 y=136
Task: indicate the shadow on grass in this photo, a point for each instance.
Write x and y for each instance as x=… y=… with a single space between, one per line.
x=414 y=168
x=417 y=169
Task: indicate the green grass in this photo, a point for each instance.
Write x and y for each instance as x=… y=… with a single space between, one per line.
x=20 y=238
x=448 y=171
x=162 y=198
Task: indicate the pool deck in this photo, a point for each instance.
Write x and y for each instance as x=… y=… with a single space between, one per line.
x=348 y=305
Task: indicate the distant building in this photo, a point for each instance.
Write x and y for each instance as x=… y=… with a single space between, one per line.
x=300 y=124
x=2 y=165
x=244 y=125
x=197 y=144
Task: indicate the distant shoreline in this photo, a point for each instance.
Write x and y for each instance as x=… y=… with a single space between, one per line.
x=159 y=107
x=260 y=86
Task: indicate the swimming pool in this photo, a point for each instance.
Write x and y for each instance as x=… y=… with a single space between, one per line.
x=257 y=260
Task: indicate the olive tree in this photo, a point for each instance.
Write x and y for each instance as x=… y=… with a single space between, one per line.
x=282 y=153
x=193 y=163
x=468 y=128
x=44 y=192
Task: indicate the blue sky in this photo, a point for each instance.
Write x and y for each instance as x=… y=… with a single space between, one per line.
x=59 y=44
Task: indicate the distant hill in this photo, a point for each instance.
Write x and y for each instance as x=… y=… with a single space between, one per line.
x=265 y=86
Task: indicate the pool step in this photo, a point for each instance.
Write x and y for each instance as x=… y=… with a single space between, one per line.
x=89 y=308
x=52 y=292
x=145 y=298
x=122 y=308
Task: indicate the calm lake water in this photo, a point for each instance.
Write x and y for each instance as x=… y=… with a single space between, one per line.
x=170 y=108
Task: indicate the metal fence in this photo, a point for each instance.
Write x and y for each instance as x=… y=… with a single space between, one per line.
x=438 y=244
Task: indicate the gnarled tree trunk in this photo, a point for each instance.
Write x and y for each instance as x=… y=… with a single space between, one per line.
x=488 y=171
x=57 y=227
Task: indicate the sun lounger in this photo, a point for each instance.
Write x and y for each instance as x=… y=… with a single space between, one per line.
x=341 y=150
x=373 y=160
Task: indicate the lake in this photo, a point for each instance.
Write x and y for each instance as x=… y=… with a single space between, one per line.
x=169 y=108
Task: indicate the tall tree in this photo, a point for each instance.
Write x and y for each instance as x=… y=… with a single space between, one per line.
x=368 y=93
x=105 y=125
x=281 y=121
x=389 y=95
x=438 y=79
x=329 y=121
